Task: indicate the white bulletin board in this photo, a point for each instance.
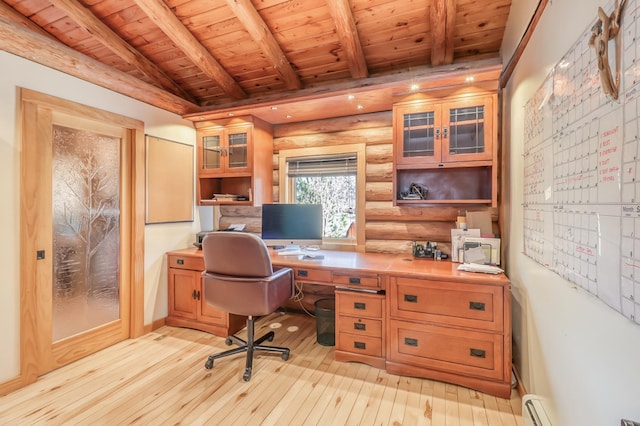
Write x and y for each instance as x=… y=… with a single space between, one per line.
x=581 y=175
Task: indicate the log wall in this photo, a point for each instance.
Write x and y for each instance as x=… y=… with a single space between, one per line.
x=388 y=228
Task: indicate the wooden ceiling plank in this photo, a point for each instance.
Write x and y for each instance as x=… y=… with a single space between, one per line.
x=261 y=34
x=20 y=41
x=442 y=26
x=89 y=22
x=14 y=16
x=164 y=18
x=348 y=35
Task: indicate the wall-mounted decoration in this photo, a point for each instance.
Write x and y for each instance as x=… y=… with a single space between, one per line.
x=606 y=29
x=170 y=181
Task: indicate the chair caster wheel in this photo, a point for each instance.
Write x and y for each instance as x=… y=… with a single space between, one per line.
x=285 y=356
x=228 y=341
x=209 y=364
x=247 y=375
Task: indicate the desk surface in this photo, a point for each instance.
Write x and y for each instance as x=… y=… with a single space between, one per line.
x=376 y=263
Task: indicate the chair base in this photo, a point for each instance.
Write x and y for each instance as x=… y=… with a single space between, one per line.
x=248 y=346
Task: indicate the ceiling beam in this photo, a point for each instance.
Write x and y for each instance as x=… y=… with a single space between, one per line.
x=20 y=41
x=261 y=34
x=163 y=17
x=85 y=19
x=443 y=15
x=442 y=77
x=348 y=35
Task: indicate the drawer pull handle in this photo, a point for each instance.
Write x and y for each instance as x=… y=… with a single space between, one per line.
x=359 y=305
x=303 y=273
x=359 y=345
x=478 y=353
x=410 y=342
x=198 y=295
x=359 y=326
x=411 y=298
x=476 y=306
x=193 y=294
x=180 y=261
x=354 y=280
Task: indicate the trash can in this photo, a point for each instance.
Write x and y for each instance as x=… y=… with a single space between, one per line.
x=326 y=321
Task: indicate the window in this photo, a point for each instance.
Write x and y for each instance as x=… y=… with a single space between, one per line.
x=329 y=176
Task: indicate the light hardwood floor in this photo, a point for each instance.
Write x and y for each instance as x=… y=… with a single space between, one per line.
x=160 y=379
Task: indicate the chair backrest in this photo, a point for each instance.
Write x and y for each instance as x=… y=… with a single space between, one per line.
x=240 y=254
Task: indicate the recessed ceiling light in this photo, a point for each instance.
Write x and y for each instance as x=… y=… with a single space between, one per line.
x=230 y=114
x=414 y=87
x=470 y=79
x=360 y=107
x=274 y=108
x=288 y=116
x=351 y=97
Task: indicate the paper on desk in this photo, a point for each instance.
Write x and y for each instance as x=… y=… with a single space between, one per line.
x=457 y=242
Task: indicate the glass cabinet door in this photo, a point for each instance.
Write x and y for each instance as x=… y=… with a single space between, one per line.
x=466 y=130
x=212 y=152
x=238 y=157
x=418 y=134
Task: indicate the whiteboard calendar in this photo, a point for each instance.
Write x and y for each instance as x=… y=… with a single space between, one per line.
x=581 y=171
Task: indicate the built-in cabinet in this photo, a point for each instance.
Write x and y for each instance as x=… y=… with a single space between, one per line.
x=445 y=151
x=234 y=161
x=441 y=329
x=187 y=305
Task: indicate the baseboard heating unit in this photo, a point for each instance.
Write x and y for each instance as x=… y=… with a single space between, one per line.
x=534 y=412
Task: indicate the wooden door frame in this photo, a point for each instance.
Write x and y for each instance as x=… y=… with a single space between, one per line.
x=30 y=102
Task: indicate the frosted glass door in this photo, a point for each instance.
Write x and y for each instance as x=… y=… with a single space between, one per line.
x=86 y=231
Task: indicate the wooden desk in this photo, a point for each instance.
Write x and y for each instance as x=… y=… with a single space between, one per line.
x=414 y=317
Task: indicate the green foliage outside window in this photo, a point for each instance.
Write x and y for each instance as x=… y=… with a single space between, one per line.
x=337 y=194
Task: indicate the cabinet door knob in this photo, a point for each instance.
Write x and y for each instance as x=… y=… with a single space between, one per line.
x=437 y=132
x=445 y=132
x=193 y=294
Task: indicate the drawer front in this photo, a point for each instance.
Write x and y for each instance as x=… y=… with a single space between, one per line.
x=469 y=305
x=311 y=275
x=447 y=349
x=356 y=344
x=186 y=262
x=357 y=281
x=359 y=304
x=360 y=326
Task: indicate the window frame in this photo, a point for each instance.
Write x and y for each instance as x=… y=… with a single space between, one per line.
x=286 y=187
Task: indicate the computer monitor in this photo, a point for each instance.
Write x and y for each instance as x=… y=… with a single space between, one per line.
x=292 y=225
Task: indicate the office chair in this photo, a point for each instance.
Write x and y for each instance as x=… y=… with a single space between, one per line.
x=239 y=279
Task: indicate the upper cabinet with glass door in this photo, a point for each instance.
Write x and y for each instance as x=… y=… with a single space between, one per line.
x=225 y=150
x=433 y=134
x=234 y=159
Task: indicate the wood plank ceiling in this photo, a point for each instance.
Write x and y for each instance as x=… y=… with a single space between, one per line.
x=217 y=56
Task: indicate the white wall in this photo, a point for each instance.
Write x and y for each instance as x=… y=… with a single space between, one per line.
x=17 y=72
x=569 y=346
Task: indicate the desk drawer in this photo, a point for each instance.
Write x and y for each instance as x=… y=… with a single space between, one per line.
x=447 y=349
x=312 y=275
x=451 y=303
x=186 y=262
x=360 y=326
x=364 y=345
x=359 y=304
x=357 y=280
